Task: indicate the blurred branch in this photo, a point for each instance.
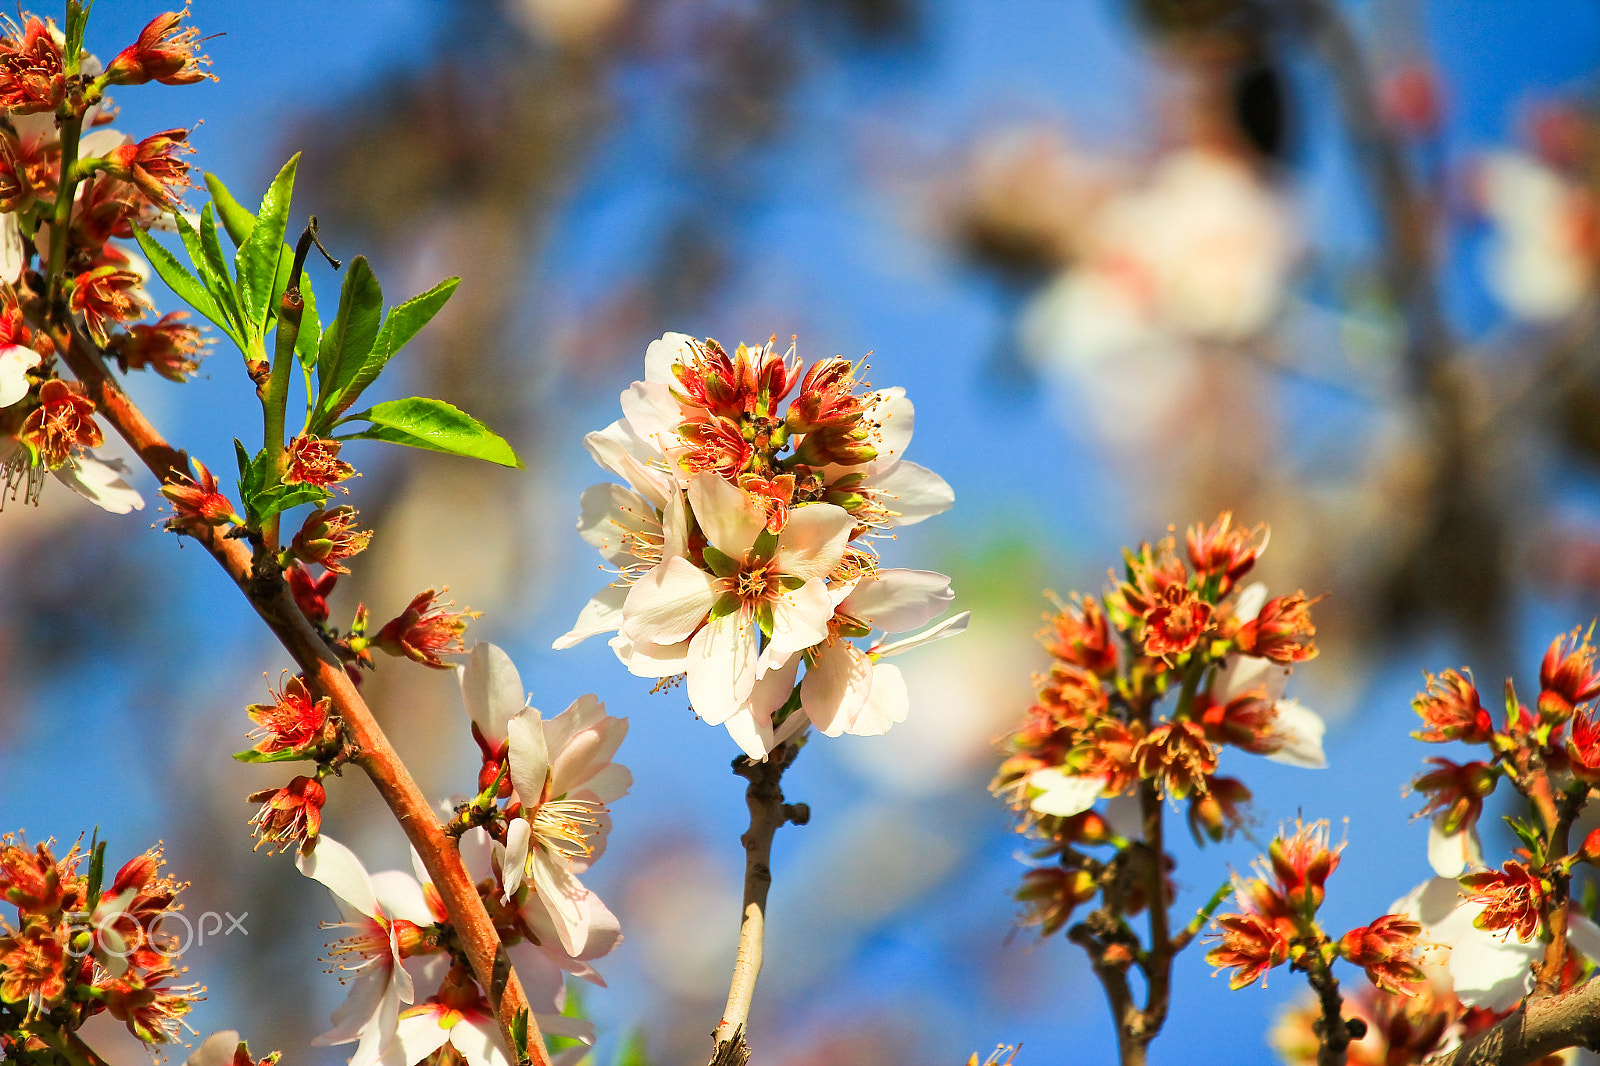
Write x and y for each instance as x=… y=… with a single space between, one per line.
x=1539 y=1027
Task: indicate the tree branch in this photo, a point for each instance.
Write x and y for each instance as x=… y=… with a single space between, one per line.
x=768 y=813
x=271 y=599
x=1538 y=1028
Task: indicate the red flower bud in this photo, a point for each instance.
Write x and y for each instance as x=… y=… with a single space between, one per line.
x=162 y=53
x=1450 y=710
x=291 y=815
x=424 y=631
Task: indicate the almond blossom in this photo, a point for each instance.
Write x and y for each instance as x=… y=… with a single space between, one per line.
x=563 y=777
x=384 y=913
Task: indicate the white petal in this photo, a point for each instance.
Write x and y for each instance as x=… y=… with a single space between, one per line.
x=950 y=627
x=887 y=704
x=602 y=614
x=492 y=690
x=1583 y=935
x=100 y=142
x=836 y=687
x=1064 y=795
x=1251 y=599
x=1490 y=972
x=753 y=737
x=721 y=667
x=1446 y=852
x=912 y=492
x=651 y=660
x=896 y=600
x=799 y=621
x=1124 y=816
x=896 y=418
x=337 y=867
x=612 y=519
x=563 y=898
x=662 y=354
x=13 y=257
x=813 y=540
x=653 y=414
x=529 y=756
x=1301 y=730
x=514 y=862
x=668 y=603
x=15 y=362
x=216 y=1050
x=400 y=896
x=1242 y=674
x=478 y=1040
x=360 y=1010
x=100 y=481
x=420 y=1035
x=623 y=452
x=730 y=517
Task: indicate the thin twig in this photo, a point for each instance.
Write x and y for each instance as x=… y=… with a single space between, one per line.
x=270 y=597
x=768 y=813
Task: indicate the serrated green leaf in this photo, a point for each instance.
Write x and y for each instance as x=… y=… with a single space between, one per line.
x=185 y=285
x=419 y=422
x=260 y=260
x=251 y=755
x=218 y=287
x=211 y=250
x=279 y=498
x=348 y=339
x=234 y=216
x=243 y=457
x=77 y=21
x=400 y=325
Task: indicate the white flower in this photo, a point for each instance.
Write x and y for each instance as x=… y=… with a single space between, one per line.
x=1063 y=794
x=1297 y=728
x=776 y=585
x=1541 y=264
x=15 y=359
x=563 y=774
x=902 y=493
x=100 y=481
x=376 y=909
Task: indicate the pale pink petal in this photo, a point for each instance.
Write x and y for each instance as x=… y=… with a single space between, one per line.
x=668 y=603
x=1492 y=972
x=623 y=452
x=722 y=667
x=896 y=600
x=836 y=687
x=529 y=756
x=400 y=896
x=543 y=981
x=612 y=783
x=1584 y=935
x=1301 y=730
x=662 y=354
x=1251 y=599
x=1243 y=674
x=611 y=519
x=492 y=690
x=799 y=620
x=420 y=1035
x=360 y=1010
x=1062 y=794
x=337 y=867
x=563 y=897
x=887 y=704
x=1450 y=854
x=753 y=737
x=895 y=417
x=216 y=1050
x=13 y=255
x=652 y=660
x=514 y=862
x=602 y=614
x=813 y=540
x=950 y=627
x=792 y=726
x=477 y=1037
x=101 y=482
x=911 y=492
x=15 y=362
x=653 y=414
x=477 y=854
x=730 y=517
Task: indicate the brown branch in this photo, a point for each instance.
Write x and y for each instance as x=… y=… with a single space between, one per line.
x=1548 y=978
x=270 y=597
x=1109 y=959
x=768 y=813
x=1334 y=1031
x=1538 y=1028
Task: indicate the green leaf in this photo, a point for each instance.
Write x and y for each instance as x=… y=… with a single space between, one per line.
x=251 y=755
x=216 y=284
x=262 y=495
x=419 y=422
x=401 y=324
x=633 y=1052
x=1531 y=838
x=721 y=564
x=349 y=339
x=260 y=260
x=76 y=23
x=310 y=338
x=97 y=870
x=211 y=250
x=187 y=287
x=519 y=1034
x=234 y=216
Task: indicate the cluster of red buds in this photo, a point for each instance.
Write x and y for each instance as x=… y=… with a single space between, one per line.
x=1179 y=624
x=68 y=188
x=79 y=947
x=1277 y=922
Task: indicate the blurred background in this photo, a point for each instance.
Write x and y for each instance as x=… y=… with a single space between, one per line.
x=1332 y=266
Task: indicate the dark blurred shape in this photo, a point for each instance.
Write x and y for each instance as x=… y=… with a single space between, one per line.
x=1261 y=107
x=1168 y=17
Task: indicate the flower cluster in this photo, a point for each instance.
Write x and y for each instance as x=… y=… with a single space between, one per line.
x=539 y=820
x=743 y=540
x=79 y=948
x=1277 y=922
x=65 y=195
